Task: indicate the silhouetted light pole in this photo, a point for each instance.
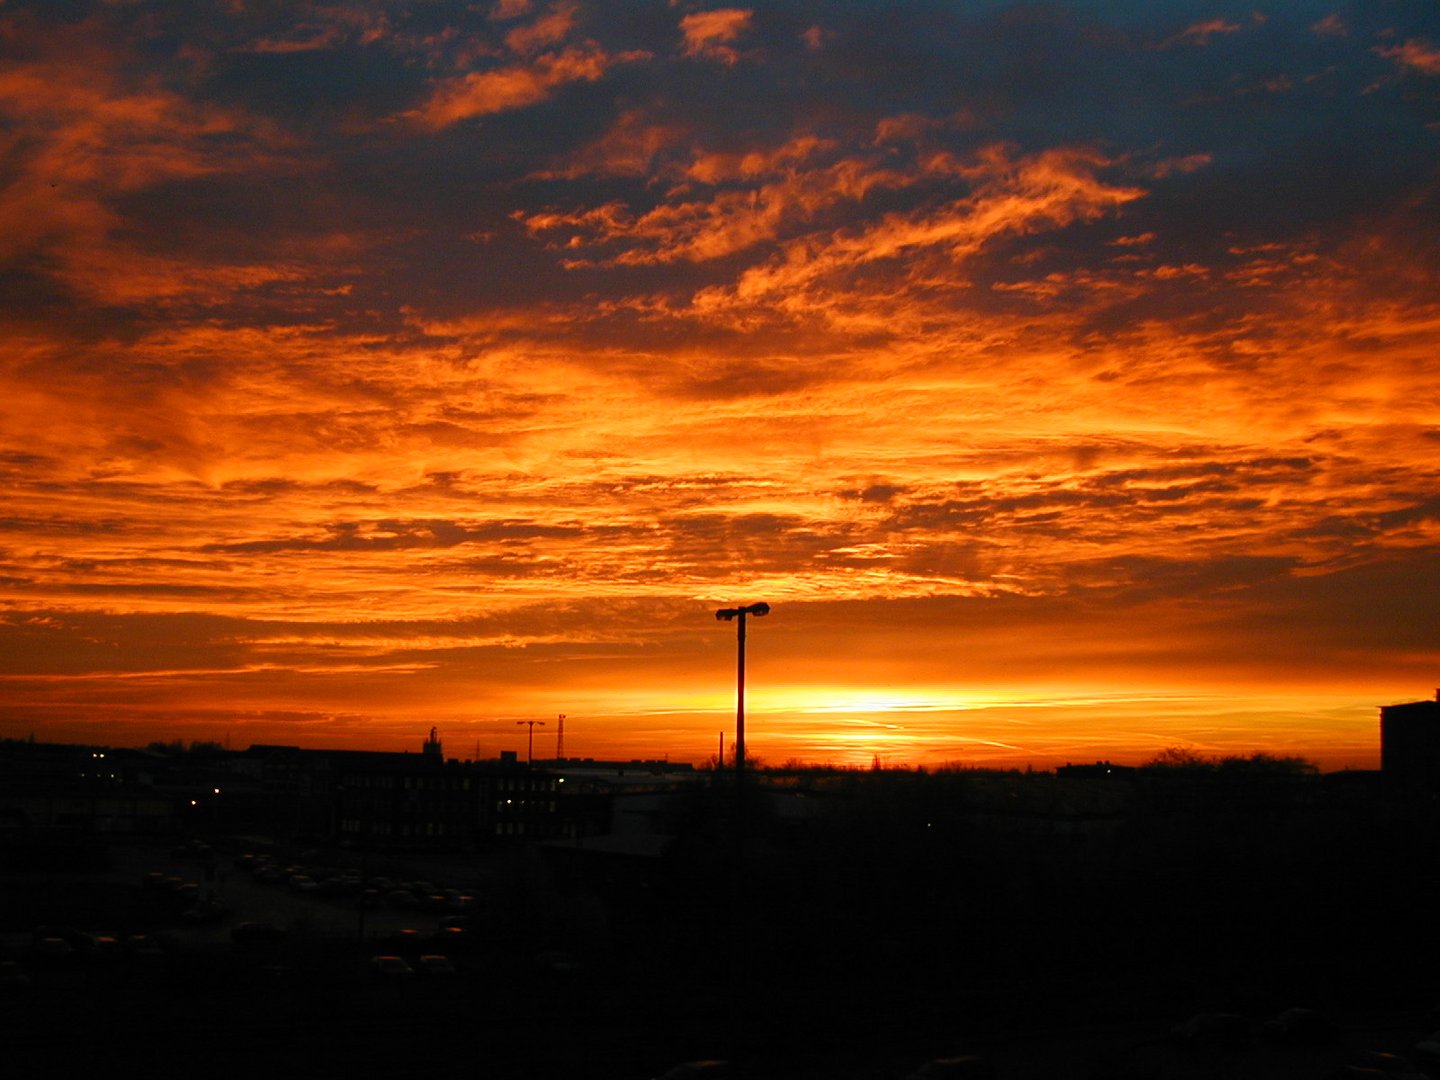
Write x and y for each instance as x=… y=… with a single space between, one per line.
x=736 y=917
x=726 y=615
x=530 y=753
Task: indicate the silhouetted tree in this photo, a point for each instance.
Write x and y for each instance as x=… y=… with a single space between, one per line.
x=178 y=748
x=1268 y=765
x=1179 y=757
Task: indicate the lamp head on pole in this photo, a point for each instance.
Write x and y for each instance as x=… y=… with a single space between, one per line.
x=726 y=614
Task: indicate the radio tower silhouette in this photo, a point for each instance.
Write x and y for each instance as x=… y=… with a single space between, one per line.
x=560 y=740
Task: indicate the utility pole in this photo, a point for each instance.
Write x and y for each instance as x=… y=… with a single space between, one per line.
x=530 y=752
x=726 y=615
x=739 y=943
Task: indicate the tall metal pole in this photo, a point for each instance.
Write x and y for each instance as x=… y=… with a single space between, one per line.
x=530 y=753
x=740 y=702
x=736 y=914
x=725 y=615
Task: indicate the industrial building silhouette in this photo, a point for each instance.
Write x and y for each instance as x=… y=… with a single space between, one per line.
x=1410 y=744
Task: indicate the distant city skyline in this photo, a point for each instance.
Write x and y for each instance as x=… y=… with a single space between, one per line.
x=1066 y=378
x=1070 y=732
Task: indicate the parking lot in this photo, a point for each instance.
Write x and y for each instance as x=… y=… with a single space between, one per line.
x=313 y=996
x=241 y=895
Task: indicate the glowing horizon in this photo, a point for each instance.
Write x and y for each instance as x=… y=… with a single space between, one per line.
x=375 y=367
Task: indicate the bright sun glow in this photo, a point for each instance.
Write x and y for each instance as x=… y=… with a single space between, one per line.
x=821 y=700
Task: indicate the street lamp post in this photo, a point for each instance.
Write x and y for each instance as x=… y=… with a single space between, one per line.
x=530 y=752
x=739 y=939
x=738 y=614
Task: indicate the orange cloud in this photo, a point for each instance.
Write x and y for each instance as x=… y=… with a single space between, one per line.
x=547 y=30
x=302 y=39
x=95 y=137
x=629 y=148
x=325 y=28
x=1414 y=55
x=1200 y=33
x=709 y=34
x=505 y=10
x=714 y=168
x=516 y=87
x=1048 y=190
x=728 y=221
x=794 y=183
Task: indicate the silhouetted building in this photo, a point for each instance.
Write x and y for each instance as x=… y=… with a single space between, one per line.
x=402 y=801
x=1100 y=770
x=88 y=789
x=1410 y=744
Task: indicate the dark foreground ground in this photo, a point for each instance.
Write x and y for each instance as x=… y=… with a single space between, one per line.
x=844 y=956
x=315 y=1010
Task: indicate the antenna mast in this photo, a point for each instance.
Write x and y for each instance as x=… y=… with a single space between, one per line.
x=560 y=740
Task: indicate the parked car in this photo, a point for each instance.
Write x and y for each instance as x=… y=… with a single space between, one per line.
x=1427 y=1051
x=390 y=968
x=453 y=939
x=1211 y=1027
x=100 y=948
x=557 y=962
x=68 y=934
x=407 y=940
x=708 y=1069
x=1379 y=1063
x=143 y=948
x=206 y=910
x=1298 y=1026
x=433 y=966
x=256 y=933
x=961 y=1067
x=14 y=980
x=52 y=951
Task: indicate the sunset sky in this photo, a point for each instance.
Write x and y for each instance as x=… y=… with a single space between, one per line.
x=1065 y=376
